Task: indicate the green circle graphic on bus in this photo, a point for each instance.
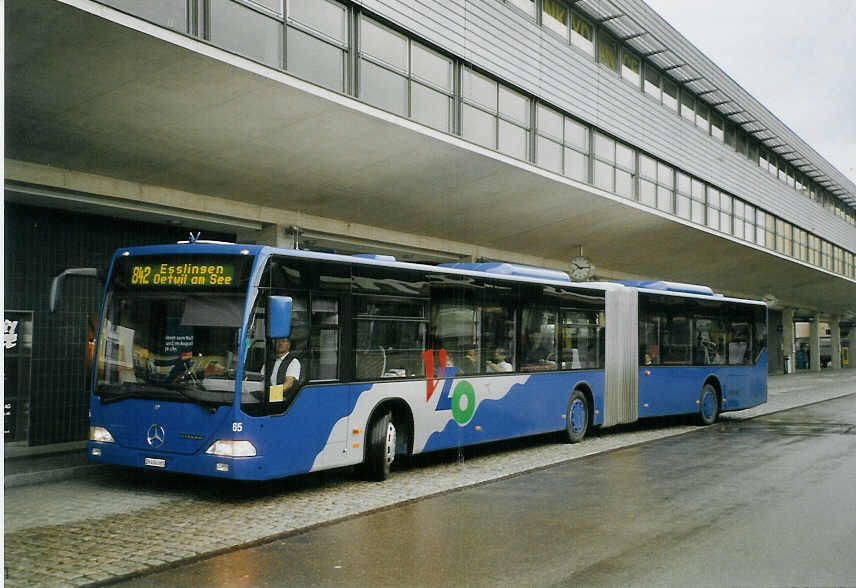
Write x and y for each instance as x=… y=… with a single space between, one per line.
x=463 y=402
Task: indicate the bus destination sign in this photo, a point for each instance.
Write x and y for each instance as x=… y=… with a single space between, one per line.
x=182 y=274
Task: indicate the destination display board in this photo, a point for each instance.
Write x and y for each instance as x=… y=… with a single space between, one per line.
x=182 y=274
x=213 y=273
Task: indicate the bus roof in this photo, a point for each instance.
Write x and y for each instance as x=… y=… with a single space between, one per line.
x=500 y=270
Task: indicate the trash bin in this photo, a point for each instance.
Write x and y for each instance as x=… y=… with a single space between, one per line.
x=787 y=364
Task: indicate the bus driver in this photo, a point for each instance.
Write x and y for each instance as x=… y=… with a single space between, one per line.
x=286 y=368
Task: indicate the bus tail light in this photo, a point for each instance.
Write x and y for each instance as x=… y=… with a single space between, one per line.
x=231 y=448
x=100 y=434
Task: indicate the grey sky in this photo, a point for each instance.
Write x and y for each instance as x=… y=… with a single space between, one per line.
x=796 y=58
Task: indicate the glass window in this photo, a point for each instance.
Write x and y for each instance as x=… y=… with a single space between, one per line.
x=383 y=44
x=549 y=122
x=576 y=134
x=555 y=17
x=581 y=337
x=245 y=31
x=576 y=165
x=604 y=148
x=670 y=94
x=315 y=60
x=603 y=175
x=647 y=167
x=725 y=213
x=324 y=16
x=171 y=14
x=730 y=135
x=383 y=88
x=665 y=187
x=739 y=218
x=431 y=67
x=698 y=201
x=701 y=116
x=648 y=193
x=624 y=183
x=742 y=146
x=665 y=175
x=582 y=34
x=514 y=106
x=607 y=52
x=709 y=347
x=687 y=103
x=478 y=126
x=625 y=156
x=455 y=328
x=576 y=150
x=479 y=89
x=498 y=334
x=770 y=232
x=430 y=107
x=548 y=154
x=388 y=348
x=749 y=223
x=324 y=339
x=513 y=140
x=712 y=207
x=631 y=67
x=652 y=81
x=716 y=126
x=683 y=197
x=538 y=344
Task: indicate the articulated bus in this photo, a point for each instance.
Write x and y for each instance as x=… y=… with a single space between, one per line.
x=394 y=358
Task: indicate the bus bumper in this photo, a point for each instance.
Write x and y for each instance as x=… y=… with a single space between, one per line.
x=200 y=464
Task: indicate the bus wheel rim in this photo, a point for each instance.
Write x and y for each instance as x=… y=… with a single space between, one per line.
x=390 y=444
x=578 y=415
x=708 y=404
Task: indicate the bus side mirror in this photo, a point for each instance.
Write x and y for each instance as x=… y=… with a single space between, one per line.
x=279 y=317
x=56 y=284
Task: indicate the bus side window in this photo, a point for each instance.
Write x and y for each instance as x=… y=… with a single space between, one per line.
x=324 y=339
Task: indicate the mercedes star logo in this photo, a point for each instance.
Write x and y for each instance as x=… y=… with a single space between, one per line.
x=155 y=436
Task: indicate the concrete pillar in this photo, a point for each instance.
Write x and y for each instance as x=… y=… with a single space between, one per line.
x=835 y=340
x=814 y=343
x=775 y=362
x=788 y=337
x=272 y=234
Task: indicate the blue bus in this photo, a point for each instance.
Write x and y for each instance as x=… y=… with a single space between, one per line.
x=388 y=359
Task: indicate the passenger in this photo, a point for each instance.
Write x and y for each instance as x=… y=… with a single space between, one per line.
x=500 y=362
x=470 y=364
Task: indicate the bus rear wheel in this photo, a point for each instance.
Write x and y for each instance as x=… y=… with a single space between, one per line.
x=708 y=409
x=577 y=421
x=380 y=449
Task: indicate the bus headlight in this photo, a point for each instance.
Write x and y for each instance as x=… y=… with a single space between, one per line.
x=231 y=448
x=100 y=434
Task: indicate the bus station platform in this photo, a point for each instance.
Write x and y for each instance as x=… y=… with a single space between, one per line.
x=70 y=523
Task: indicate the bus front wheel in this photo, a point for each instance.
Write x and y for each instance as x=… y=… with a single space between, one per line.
x=380 y=450
x=577 y=421
x=708 y=409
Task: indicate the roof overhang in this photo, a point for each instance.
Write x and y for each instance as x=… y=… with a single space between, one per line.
x=92 y=89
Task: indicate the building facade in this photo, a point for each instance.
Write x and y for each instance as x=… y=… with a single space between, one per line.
x=530 y=131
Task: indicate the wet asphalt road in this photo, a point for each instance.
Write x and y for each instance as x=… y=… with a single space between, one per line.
x=764 y=502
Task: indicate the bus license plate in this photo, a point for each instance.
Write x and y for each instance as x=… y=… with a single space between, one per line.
x=155 y=462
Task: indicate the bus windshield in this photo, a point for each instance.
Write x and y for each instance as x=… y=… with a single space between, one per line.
x=167 y=335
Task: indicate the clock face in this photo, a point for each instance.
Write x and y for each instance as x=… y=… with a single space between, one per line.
x=581 y=268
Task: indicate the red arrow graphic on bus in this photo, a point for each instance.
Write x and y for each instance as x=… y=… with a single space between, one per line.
x=432 y=378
